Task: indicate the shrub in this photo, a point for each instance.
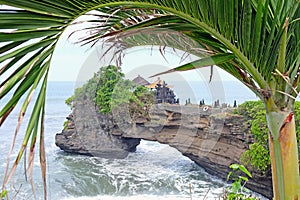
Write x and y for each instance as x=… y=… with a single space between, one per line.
x=3 y=194
x=237 y=191
x=88 y=90
x=257 y=157
x=109 y=90
x=108 y=79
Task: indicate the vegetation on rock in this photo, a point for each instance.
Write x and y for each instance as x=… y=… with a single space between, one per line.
x=110 y=90
x=255 y=41
x=258 y=156
x=240 y=176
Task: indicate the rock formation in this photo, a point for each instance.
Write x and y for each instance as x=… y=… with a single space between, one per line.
x=213 y=138
x=88 y=133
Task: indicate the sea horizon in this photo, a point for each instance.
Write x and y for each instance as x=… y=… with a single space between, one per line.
x=154 y=171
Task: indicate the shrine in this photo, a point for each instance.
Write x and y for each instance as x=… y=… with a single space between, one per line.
x=163 y=91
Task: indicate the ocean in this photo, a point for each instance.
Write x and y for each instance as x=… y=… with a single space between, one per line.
x=154 y=171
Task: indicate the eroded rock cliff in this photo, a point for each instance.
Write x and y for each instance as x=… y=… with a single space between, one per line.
x=213 y=138
x=88 y=133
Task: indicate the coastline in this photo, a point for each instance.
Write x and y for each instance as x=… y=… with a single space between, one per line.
x=214 y=139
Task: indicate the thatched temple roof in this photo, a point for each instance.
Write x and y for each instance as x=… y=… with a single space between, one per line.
x=140 y=81
x=155 y=83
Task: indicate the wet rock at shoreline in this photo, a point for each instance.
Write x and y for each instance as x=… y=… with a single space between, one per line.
x=213 y=138
x=88 y=133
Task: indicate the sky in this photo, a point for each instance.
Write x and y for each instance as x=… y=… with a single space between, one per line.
x=72 y=62
x=76 y=63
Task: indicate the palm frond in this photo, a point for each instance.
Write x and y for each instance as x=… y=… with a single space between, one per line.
x=255 y=37
x=203 y=62
x=257 y=34
x=28 y=40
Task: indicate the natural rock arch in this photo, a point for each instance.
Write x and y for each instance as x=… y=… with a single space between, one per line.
x=213 y=138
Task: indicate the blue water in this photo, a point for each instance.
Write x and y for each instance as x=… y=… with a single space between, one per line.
x=225 y=92
x=154 y=171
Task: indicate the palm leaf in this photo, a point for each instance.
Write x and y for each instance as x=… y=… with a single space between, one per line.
x=203 y=62
x=246 y=38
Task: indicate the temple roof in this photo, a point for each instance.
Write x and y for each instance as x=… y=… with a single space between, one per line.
x=140 y=81
x=158 y=81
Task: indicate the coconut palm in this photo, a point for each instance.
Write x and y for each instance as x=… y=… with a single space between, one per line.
x=256 y=41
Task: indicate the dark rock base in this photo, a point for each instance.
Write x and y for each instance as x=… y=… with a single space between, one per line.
x=213 y=138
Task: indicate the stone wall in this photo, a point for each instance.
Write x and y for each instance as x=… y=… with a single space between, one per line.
x=213 y=138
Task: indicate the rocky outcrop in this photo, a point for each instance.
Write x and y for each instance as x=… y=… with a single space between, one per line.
x=213 y=138
x=88 y=133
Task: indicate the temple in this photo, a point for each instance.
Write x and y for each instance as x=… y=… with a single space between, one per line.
x=140 y=81
x=163 y=91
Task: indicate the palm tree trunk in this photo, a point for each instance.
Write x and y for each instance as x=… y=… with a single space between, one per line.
x=284 y=155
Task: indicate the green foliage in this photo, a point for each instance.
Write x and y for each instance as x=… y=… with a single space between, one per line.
x=263 y=37
x=257 y=157
x=297 y=120
x=122 y=93
x=125 y=99
x=237 y=189
x=137 y=99
x=140 y=102
x=3 y=194
x=108 y=78
x=88 y=90
x=69 y=101
x=66 y=124
x=109 y=90
x=250 y=109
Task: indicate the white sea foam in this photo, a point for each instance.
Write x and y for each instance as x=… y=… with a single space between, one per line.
x=137 y=197
x=154 y=172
